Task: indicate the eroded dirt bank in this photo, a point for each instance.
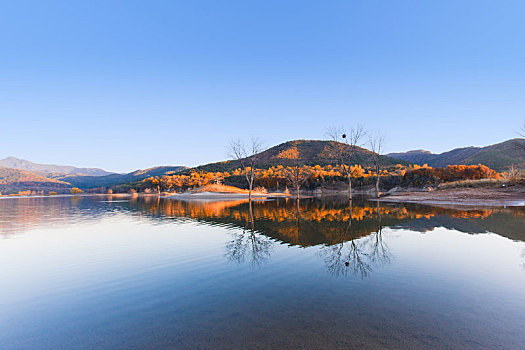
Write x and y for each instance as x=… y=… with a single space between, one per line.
x=463 y=197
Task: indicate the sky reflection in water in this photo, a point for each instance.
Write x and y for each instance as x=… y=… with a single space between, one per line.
x=86 y=272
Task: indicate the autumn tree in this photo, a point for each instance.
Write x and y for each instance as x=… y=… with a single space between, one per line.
x=76 y=190
x=345 y=146
x=156 y=183
x=377 y=144
x=247 y=156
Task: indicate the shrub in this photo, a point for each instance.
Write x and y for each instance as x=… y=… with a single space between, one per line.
x=434 y=176
x=260 y=189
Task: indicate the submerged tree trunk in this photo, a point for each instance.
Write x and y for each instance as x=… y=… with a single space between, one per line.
x=252 y=222
x=349 y=186
x=377 y=185
x=349 y=227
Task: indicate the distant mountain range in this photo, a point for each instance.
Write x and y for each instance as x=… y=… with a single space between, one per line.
x=22 y=164
x=88 y=182
x=498 y=157
x=60 y=178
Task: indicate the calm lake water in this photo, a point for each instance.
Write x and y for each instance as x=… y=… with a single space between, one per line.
x=112 y=273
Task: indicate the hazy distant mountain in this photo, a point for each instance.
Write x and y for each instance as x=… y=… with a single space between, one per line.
x=14 y=180
x=22 y=164
x=308 y=152
x=87 y=182
x=499 y=156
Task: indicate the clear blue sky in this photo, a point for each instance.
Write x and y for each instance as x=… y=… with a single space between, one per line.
x=133 y=84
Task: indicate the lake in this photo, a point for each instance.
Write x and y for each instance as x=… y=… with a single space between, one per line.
x=103 y=272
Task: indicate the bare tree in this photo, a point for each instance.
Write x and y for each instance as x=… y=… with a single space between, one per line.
x=346 y=145
x=521 y=132
x=377 y=145
x=297 y=176
x=247 y=156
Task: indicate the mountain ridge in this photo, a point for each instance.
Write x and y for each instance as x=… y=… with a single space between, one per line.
x=499 y=156
x=90 y=182
x=23 y=164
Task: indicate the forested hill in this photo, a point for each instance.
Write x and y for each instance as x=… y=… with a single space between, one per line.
x=302 y=152
x=498 y=157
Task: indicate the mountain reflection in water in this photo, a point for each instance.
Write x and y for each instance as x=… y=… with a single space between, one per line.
x=350 y=234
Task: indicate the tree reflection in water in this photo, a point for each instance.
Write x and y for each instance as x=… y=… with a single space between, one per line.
x=357 y=256
x=249 y=244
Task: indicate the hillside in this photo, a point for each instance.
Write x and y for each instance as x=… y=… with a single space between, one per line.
x=22 y=164
x=498 y=157
x=15 y=180
x=89 y=182
x=304 y=152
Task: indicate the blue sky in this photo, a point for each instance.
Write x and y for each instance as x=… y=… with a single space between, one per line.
x=133 y=84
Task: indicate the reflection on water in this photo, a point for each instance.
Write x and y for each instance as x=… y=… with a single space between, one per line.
x=249 y=244
x=135 y=272
x=350 y=234
x=312 y=222
x=357 y=256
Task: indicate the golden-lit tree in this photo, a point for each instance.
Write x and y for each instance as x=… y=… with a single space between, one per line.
x=155 y=182
x=346 y=145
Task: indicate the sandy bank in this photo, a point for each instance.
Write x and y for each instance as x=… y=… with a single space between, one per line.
x=463 y=197
x=223 y=196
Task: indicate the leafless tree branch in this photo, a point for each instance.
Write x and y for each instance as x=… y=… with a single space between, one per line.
x=297 y=176
x=376 y=142
x=247 y=156
x=346 y=145
x=521 y=132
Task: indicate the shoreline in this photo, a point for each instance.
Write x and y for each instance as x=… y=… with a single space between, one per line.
x=480 y=197
x=465 y=197
x=224 y=195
